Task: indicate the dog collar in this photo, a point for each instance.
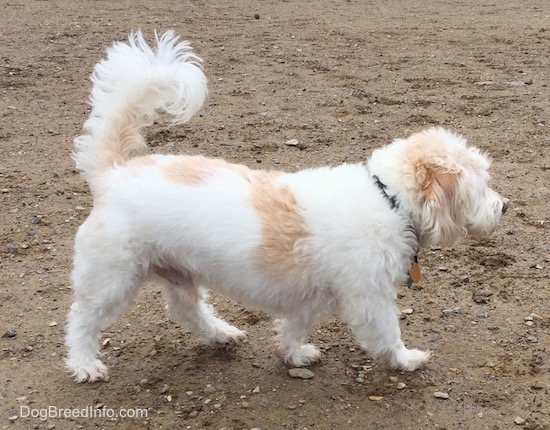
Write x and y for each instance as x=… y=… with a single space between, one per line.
x=414 y=271
x=392 y=200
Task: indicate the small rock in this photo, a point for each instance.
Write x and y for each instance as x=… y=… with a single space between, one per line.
x=36 y=220
x=256 y=390
x=52 y=324
x=450 y=311
x=375 y=398
x=245 y=405
x=533 y=339
x=300 y=372
x=538 y=386
x=483 y=315
x=12 y=249
x=165 y=389
x=10 y=333
x=143 y=382
x=519 y=421
x=482 y=296
x=401 y=385
x=360 y=380
x=193 y=414
x=256 y=16
x=292 y=142
x=441 y=395
x=514 y=84
x=407 y=311
x=394 y=379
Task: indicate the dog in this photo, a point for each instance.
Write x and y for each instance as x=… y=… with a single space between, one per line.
x=302 y=246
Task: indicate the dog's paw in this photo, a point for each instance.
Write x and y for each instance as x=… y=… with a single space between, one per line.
x=410 y=359
x=302 y=356
x=228 y=336
x=87 y=370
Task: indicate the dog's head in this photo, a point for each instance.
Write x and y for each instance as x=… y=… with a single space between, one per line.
x=442 y=183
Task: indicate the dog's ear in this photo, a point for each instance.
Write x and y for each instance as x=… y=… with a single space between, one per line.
x=441 y=219
x=438 y=184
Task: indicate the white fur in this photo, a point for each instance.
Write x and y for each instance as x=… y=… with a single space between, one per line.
x=302 y=246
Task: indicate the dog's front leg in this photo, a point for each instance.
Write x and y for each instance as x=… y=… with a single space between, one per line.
x=291 y=335
x=375 y=323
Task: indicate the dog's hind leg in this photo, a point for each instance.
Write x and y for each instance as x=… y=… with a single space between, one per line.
x=186 y=304
x=375 y=323
x=103 y=291
x=291 y=336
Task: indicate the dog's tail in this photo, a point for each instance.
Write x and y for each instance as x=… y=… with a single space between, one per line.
x=129 y=86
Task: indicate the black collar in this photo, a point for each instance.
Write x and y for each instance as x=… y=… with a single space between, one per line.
x=392 y=200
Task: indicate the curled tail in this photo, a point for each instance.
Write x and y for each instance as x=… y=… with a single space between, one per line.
x=129 y=86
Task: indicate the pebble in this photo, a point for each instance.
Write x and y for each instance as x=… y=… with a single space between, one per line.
x=450 y=311
x=256 y=390
x=360 y=380
x=165 y=389
x=292 y=142
x=407 y=311
x=401 y=385
x=441 y=395
x=193 y=414
x=482 y=296
x=52 y=324
x=10 y=333
x=301 y=373
x=375 y=398
x=483 y=315
x=533 y=339
x=12 y=249
x=519 y=421
x=143 y=382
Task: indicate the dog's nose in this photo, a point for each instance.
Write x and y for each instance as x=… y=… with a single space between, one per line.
x=504 y=207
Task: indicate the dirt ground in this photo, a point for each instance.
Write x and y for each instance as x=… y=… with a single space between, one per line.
x=341 y=77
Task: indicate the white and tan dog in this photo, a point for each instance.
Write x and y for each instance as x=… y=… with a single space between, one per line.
x=302 y=246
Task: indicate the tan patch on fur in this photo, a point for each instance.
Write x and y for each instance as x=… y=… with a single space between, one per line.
x=283 y=227
x=195 y=170
x=436 y=175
